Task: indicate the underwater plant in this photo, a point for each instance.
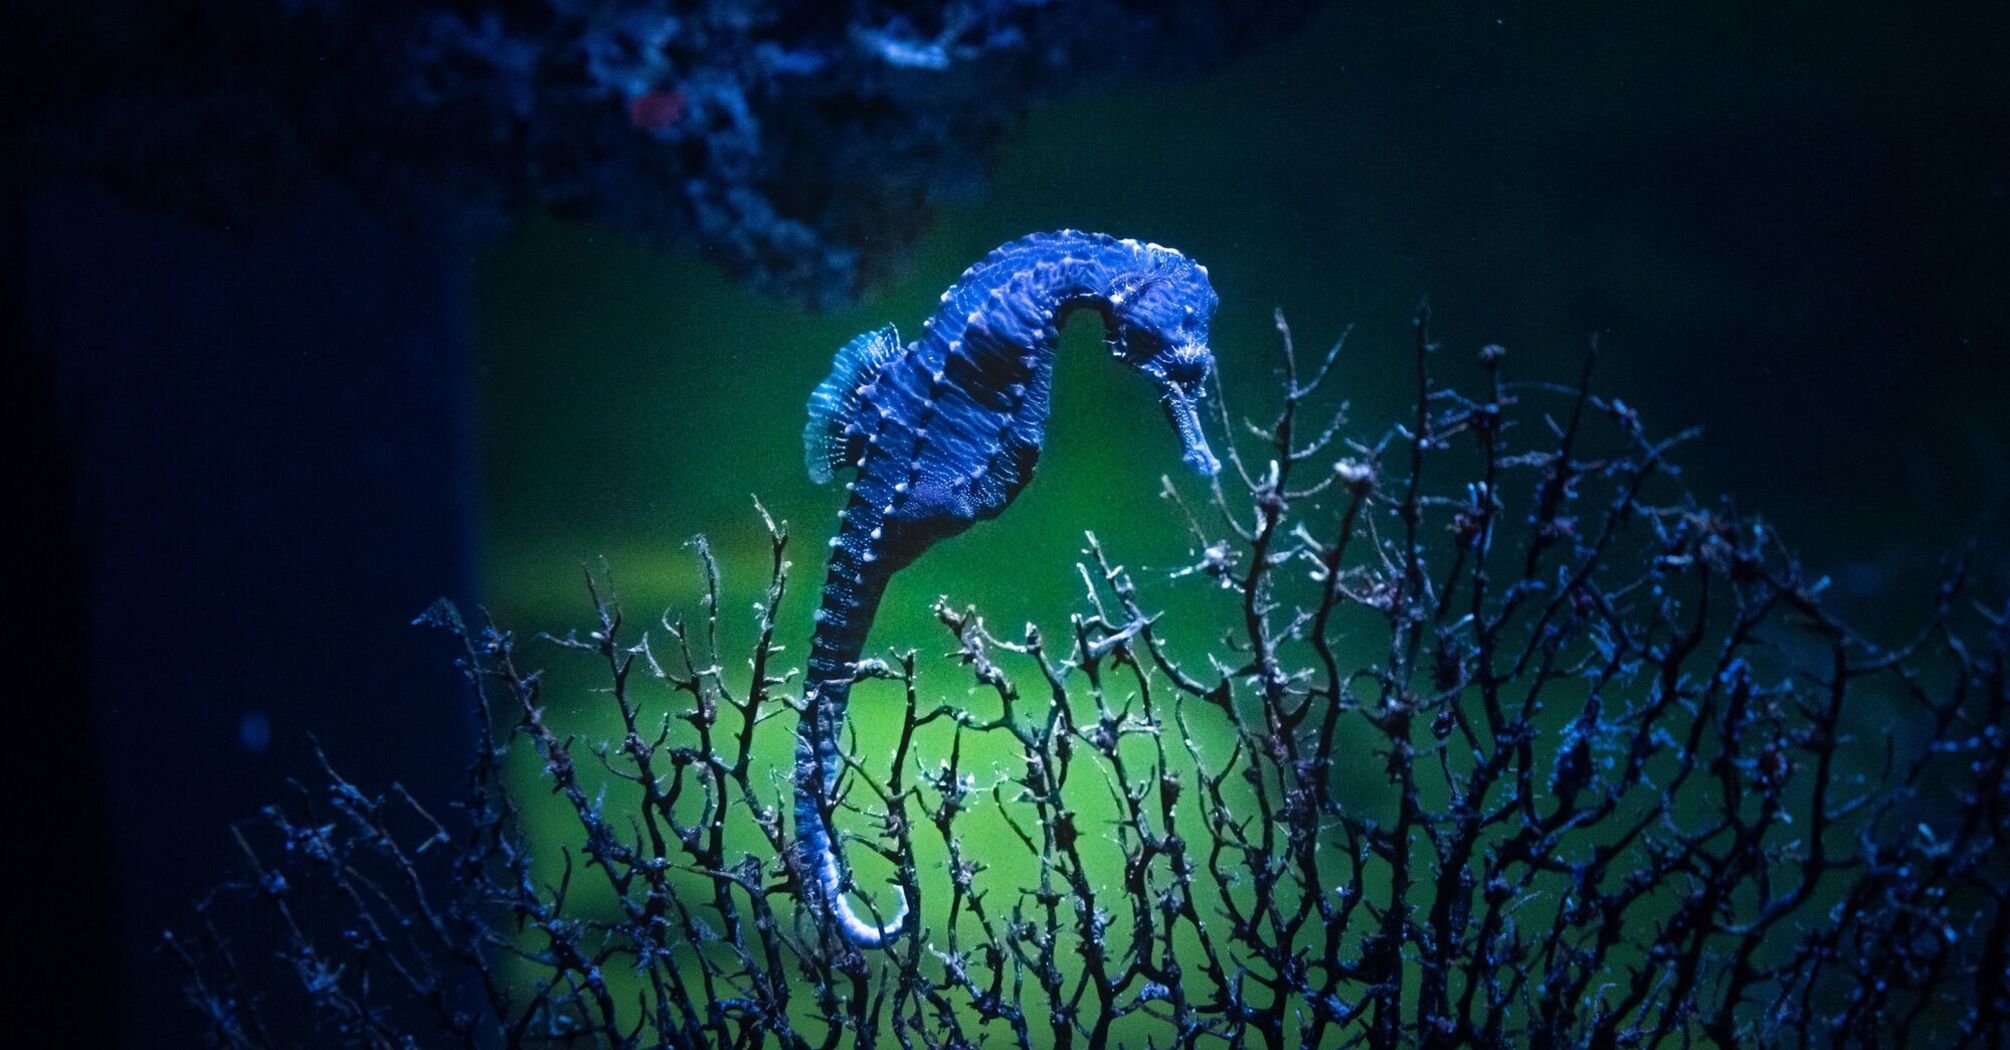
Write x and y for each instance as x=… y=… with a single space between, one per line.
x=1505 y=739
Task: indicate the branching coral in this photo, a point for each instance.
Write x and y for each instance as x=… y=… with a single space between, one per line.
x=1509 y=741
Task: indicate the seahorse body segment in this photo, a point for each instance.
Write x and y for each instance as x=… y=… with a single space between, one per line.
x=944 y=432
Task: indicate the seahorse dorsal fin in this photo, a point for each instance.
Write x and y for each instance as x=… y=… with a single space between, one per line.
x=830 y=442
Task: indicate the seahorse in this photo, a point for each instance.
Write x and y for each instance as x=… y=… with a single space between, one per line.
x=944 y=432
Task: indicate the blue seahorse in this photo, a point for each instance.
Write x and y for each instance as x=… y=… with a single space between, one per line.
x=943 y=432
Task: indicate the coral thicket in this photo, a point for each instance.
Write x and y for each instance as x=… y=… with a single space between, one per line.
x=1509 y=741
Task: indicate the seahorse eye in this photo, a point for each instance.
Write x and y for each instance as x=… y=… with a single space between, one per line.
x=1187 y=363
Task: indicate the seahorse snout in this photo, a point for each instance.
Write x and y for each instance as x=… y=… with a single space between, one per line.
x=1203 y=462
x=1185 y=417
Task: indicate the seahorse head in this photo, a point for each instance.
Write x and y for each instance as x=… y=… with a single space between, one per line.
x=1157 y=323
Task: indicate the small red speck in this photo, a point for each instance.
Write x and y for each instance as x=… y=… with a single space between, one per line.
x=653 y=111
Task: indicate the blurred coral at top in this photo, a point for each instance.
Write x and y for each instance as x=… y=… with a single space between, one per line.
x=800 y=145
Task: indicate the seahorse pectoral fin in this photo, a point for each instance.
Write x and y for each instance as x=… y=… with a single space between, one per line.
x=1183 y=411
x=832 y=439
